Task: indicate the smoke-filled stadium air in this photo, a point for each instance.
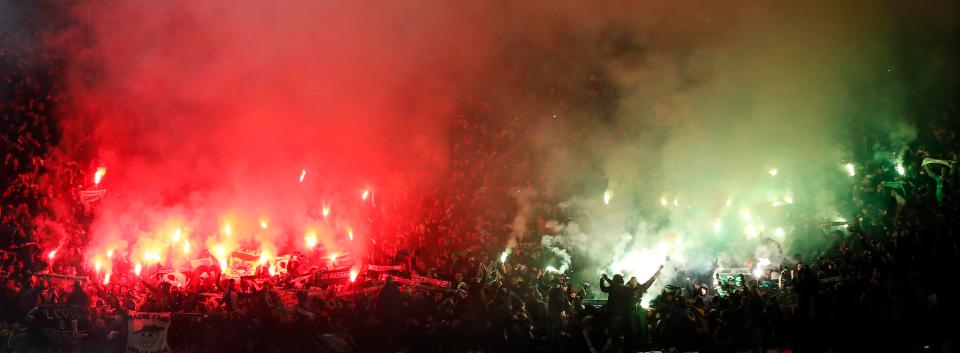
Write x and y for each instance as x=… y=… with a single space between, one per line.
x=476 y=176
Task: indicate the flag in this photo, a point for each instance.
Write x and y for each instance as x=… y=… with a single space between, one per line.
x=242 y=263
x=279 y=264
x=174 y=278
x=147 y=332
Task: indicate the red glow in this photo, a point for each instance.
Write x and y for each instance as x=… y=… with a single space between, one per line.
x=353 y=275
x=52 y=254
x=261 y=121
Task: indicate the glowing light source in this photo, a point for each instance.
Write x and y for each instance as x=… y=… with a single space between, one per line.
x=751 y=231
x=310 y=239
x=110 y=254
x=97 y=265
x=219 y=252
x=264 y=257
x=607 y=195
x=303 y=173
x=263 y=223
x=762 y=263
x=137 y=269
x=779 y=232
x=676 y=202
x=745 y=214
x=788 y=198
x=333 y=257
x=106 y=279
x=353 y=275
x=663 y=201
x=227 y=230
x=326 y=211
x=350 y=233
x=365 y=194
x=851 y=170
x=177 y=234
x=729 y=202
x=98 y=175
x=552 y=269
x=186 y=246
x=717 y=226
x=52 y=254
x=773 y=171
x=900 y=169
x=151 y=256
x=504 y=254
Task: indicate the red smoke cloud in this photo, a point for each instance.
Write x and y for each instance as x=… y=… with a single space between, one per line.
x=207 y=113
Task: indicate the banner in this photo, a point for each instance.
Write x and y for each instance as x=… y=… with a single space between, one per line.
x=242 y=263
x=397 y=279
x=359 y=291
x=384 y=268
x=61 y=281
x=147 y=332
x=936 y=176
x=431 y=281
x=331 y=276
x=63 y=323
x=833 y=279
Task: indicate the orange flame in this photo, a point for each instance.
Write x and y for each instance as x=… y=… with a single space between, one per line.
x=303 y=173
x=137 y=268
x=98 y=176
x=366 y=192
x=326 y=211
x=353 y=275
x=52 y=254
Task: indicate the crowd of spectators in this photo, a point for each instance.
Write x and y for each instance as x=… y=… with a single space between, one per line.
x=884 y=285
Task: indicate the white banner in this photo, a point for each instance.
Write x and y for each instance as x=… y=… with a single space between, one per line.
x=148 y=332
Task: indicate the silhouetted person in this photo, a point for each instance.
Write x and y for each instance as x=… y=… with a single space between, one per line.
x=620 y=302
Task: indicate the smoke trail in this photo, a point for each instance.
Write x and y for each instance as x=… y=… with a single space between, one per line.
x=552 y=245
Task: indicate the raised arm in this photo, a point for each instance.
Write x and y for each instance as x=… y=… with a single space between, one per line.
x=603 y=283
x=649 y=282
